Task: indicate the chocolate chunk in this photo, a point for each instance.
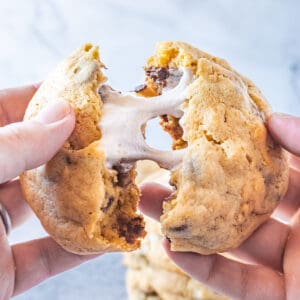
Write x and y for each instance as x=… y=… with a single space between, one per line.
x=68 y=160
x=108 y=204
x=163 y=76
x=179 y=228
x=140 y=88
x=151 y=294
x=164 y=118
x=130 y=229
x=168 y=239
x=124 y=178
x=159 y=75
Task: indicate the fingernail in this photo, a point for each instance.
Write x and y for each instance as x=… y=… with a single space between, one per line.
x=54 y=112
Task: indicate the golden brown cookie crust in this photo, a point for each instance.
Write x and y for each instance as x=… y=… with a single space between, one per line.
x=233 y=174
x=80 y=202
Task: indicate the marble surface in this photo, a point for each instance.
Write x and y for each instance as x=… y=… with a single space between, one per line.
x=259 y=38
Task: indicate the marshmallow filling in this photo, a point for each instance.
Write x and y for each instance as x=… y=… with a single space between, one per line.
x=122 y=125
x=125 y=116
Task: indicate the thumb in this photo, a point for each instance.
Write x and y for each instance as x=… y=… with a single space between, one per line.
x=285 y=129
x=26 y=145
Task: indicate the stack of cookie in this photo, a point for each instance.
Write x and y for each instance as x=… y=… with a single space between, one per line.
x=151 y=274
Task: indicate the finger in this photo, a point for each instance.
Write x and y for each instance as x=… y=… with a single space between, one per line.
x=13 y=103
x=290 y=204
x=292 y=260
x=230 y=278
x=6 y=265
x=294 y=162
x=265 y=246
x=152 y=196
x=28 y=144
x=285 y=129
x=37 y=260
x=12 y=199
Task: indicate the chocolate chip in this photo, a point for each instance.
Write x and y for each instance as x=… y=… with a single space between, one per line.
x=130 y=229
x=162 y=73
x=159 y=74
x=108 y=204
x=164 y=118
x=68 y=160
x=140 y=88
x=151 y=294
x=123 y=175
x=179 y=228
x=168 y=239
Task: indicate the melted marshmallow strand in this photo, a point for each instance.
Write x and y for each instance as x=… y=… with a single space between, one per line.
x=124 y=116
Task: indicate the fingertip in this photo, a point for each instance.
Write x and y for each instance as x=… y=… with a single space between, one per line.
x=55 y=111
x=152 y=197
x=59 y=119
x=184 y=260
x=285 y=130
x=277 y=121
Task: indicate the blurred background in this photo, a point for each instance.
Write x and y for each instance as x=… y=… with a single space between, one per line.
x=259 y=38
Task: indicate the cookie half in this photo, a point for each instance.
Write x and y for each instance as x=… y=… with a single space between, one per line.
x=233 y=174
x=86 y=207
x=151 y=273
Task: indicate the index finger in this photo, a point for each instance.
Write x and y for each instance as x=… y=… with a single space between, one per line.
x=13 y=103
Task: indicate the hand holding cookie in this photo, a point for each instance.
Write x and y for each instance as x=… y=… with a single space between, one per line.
x=266 y=265
x=26 y=145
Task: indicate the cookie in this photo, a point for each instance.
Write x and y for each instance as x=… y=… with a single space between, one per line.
x=232 y=175
x=152 y=274
x=151 y=251
x=165 y=285
x=86 y=207
x=227 y=172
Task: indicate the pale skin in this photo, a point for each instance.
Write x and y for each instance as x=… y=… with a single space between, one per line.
x=26 y=145
x=269 y=261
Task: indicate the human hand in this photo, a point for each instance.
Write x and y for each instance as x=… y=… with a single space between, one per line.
x=26 y=145
x=267 y=265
